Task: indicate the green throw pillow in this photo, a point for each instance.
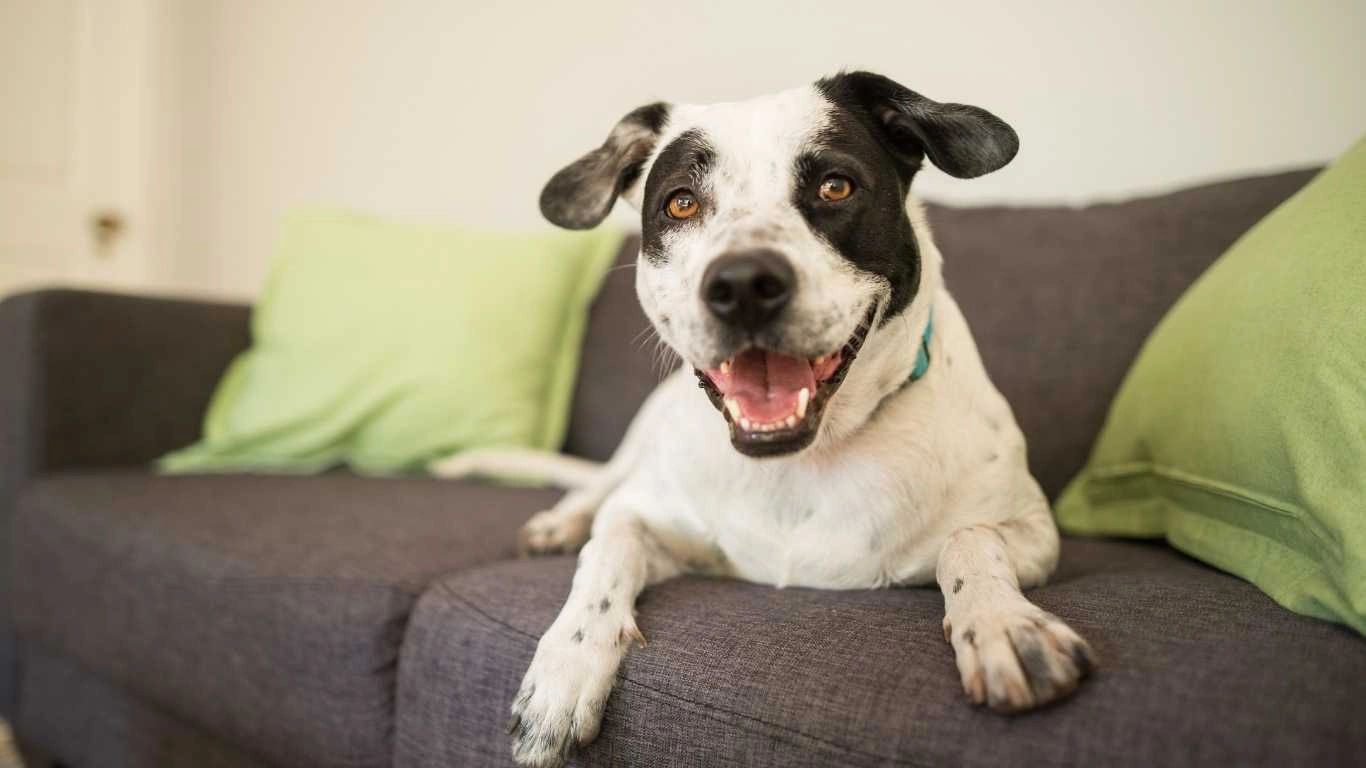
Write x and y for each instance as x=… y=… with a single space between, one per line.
x=1240 y=432
x=384 y=345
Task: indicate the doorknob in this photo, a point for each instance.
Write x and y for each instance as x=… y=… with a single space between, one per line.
x=106 y=226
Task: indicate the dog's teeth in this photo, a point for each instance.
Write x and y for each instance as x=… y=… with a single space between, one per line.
x=725 y=368
x=803 y=397
x=733 y=407
x=791 y=420
x=746 y=425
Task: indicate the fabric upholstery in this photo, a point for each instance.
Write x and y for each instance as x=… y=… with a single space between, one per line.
x=621 y=363
x=1197 y=668
x=1061 y=299
x=73 y=718
x=265 y=610
x=91 y=379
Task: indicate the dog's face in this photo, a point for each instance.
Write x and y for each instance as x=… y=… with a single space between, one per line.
x=775 y=233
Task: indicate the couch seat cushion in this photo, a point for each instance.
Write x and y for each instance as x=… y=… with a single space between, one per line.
x=266 y=610
x=1197 y=668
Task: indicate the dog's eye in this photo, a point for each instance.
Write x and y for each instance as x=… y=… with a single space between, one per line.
x=836 y=188
x=683 y=205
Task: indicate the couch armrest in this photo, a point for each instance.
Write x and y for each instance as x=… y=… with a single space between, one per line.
x=93 y=379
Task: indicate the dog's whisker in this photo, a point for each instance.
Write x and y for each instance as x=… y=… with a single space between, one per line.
x=642 y=338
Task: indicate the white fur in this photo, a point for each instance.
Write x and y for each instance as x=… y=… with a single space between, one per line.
x=750 y=196
x=903 y=484
x=540 y=466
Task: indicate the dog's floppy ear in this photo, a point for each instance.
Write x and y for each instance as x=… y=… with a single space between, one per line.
x=582 y=194
x=962 y=140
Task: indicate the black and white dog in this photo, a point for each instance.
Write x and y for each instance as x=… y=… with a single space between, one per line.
x=845 y=434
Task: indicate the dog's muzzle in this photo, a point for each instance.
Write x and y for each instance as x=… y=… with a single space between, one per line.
x=773 y=401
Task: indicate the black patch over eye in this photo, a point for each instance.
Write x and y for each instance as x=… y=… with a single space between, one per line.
x=835 y=188
x=683 y=165
x=850 y=192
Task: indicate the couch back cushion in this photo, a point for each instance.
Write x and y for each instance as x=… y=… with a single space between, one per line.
x=1059 y=300
x=621 y=363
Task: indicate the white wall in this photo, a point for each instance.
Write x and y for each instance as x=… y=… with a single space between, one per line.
x=460 y=111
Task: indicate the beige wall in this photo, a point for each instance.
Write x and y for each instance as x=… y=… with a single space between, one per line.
x=460 y=111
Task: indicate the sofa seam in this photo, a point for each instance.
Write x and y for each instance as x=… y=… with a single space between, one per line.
x=667 y=695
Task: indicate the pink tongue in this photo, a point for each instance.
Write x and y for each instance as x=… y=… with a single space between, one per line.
x=765 y=384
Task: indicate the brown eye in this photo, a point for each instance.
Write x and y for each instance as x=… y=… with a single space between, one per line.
x=683 y=205
x=836 y=188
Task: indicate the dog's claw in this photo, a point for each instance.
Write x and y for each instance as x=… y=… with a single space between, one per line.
x=632 y=632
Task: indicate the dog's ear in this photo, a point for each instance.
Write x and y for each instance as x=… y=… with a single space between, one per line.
x=962 y=140
x=582 y=194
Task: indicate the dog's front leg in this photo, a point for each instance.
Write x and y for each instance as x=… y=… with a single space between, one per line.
x=564 y=691
x=1011 y=654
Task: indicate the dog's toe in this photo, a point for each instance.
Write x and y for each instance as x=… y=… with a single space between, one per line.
x=564 y=693
x=1019 y=659
x=542 y=734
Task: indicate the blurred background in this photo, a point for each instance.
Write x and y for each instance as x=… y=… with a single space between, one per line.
x=153 y=145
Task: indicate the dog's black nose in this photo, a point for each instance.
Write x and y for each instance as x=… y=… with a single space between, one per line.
x=747 y=289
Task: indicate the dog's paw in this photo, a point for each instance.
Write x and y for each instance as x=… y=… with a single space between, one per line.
x=560 y=704
x=556 y=531
x=1018 y=658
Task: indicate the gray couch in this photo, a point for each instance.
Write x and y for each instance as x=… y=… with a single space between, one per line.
x=342 y=621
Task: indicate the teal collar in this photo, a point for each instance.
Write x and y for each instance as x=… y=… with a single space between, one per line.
x=922 y=357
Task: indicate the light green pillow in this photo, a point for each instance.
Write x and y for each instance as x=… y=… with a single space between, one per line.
x=384 y=345
x=1240 y=432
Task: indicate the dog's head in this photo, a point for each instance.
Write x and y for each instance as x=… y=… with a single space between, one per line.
x=776 y=239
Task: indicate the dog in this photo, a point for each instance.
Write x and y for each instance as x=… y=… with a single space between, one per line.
x=833 y=425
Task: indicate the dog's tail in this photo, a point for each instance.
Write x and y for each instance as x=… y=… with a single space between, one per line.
x=518 y=465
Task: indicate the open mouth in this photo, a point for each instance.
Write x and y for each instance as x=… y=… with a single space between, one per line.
x=773 y=402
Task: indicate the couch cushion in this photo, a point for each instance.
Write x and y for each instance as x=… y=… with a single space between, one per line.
x=1060 y=299
x=621 y=363
x=1197 y=668
x=265 y=610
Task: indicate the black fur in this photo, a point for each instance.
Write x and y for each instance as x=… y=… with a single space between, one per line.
x=870 y=228
x=878 y=136
x=582 y=194
x=962 y=140
x=682 y=164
